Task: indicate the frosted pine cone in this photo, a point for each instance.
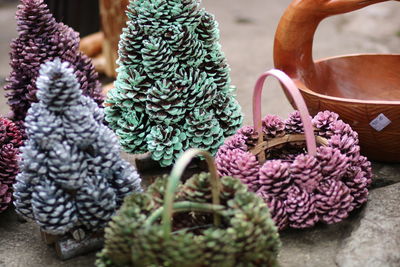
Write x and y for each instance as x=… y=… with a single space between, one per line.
x=334 y=164
x=241 y=165
x=300 y=208
x=276 y=208
x=275 y=178
x=306 y=172
x=249 y=134
x=323 y=122
x=22 y=196
x=273 y=126
x=333 y=201
x=125 y=180
x=357 y=181
x=347 y=146
x=294 y=125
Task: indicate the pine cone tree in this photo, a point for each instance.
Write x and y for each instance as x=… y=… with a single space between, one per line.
x=357 y=181
x=334 y=165
x=276 y=208
x=95 y=202
x=300 y=208
x=323 y=122
x=164 y=103
x=203 y=131
x=78 y=178
x=166 y=143
x=275 y=178
x=42 y=39
x=294 y=124
x=273 y=126
x=54 y=210
x=333 y=201
x=228 y=112
x=305 y=172
x=241 y=165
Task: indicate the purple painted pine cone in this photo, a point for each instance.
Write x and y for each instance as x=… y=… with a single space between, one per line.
x=5 y=196
x=273 y=126
x=276 y=208
x=275 y=178
x=241 y=165
x=342 y=128
x=357 y=181
x=365 y=165
x=235 y=141
x=300 y=208
x=347 y=146
x=250 y=135
x=333 y=163
x=306 y=172
x=323 y=121
x=333 y=201
x=293 y=124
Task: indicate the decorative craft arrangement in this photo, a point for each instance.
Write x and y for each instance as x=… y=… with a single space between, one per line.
x=10 y=141
x=72 y=177
x=363 y=89
x=207 y=221
x=301 y=187
x=173 y=87
x=41 y=39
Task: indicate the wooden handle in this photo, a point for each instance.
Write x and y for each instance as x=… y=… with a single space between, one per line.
x=295 y=34
x=298 y=99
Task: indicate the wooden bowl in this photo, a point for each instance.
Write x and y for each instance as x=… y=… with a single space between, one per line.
x=363 y=89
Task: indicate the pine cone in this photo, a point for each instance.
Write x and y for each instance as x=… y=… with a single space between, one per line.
x=215 y=65
x=22 y=196
x=203 y=131
x=166 y=144
x=228 y=113
x=334 y=165
x=333 y=201
x=357 y=181
x=294 y=124
x=323 y=123
x=341 y=128
x=197 y=189
x=250 y=135
x=273 y=126
x=347 y=146
x=165 y=104
x=275 y=178
x=300 y=208
x=305 y=172
x=276 y=208
x=95 y=202
x=241 y=165
x=125 y=181
x=10 y=133
x=130 y=45
x=207 y=30
x=53 y=209
x=5 y=197
x=366 y=167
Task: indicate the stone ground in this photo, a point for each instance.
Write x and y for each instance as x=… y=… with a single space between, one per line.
x=369 y=238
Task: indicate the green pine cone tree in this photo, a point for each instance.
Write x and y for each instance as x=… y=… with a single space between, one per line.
x=171 y=64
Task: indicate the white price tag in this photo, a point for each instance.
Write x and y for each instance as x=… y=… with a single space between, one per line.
x=380 y=122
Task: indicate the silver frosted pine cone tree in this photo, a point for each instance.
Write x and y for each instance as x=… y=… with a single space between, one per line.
x=71 y=171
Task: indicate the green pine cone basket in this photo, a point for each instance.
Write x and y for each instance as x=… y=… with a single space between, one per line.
x=206 y=221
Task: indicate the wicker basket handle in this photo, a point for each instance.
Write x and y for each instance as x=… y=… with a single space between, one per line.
x=298 y=100
x=168 y=209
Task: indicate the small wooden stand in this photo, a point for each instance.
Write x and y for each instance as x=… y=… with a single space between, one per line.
x=68 y=247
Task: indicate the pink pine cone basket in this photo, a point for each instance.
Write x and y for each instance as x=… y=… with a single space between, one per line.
x=307 y=170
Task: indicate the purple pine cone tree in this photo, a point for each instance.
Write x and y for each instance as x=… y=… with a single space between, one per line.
x=10 y=141
x=71 y=171
x=41 y=39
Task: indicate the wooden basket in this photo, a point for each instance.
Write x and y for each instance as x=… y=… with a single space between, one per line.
x=363 y=89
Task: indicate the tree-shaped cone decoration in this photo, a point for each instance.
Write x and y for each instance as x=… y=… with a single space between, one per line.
x=41 y=39
x=173 y=84
x=205 y=221
x=10 y=141
x=71 y=171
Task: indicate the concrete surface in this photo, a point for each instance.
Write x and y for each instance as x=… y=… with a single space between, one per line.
x=247 y=31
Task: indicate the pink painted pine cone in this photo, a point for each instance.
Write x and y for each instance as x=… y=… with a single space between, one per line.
x=347 y=145
x=333 y=201
x=300 y=208
x=273 y=126
x=342 y=128
x=334 y=164
x=357 y=181
x=275 y=178
x=323 y=121
x=249 y=134
x=5 y=196
x=241 y=165
x=293 y=124
x=276 y=208
x=306 y=172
